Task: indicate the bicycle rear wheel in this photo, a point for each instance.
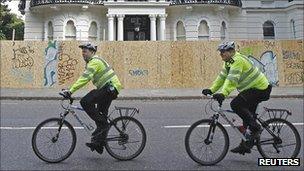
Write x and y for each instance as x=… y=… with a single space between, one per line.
x=198 y=147
x=53 y=146
x=288 y=143
x=127 y=143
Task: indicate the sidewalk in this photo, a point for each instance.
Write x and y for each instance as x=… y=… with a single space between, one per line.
x=136 y=94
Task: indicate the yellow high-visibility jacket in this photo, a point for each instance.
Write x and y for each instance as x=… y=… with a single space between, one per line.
x=100 y=72
x=241 y=74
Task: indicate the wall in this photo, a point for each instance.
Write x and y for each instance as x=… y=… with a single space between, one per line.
x=37 y=19
x=178 y=64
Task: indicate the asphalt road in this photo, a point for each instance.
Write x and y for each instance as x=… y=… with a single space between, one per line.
x=165 y=123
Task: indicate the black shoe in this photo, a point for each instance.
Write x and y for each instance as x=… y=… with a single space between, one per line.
x=241 y=149
x=95 y=146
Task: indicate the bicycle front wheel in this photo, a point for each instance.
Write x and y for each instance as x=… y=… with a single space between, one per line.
x=203 y=150
x=126 y=138
x=286 y=145
x=52 y=145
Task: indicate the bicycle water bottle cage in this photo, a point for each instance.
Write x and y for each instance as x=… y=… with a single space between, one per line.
x=277 y=113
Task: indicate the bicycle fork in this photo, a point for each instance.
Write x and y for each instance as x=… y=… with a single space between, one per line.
x=213 y=123
x=62 y=118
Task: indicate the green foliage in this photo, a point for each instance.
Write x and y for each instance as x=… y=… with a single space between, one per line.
x=8 y=22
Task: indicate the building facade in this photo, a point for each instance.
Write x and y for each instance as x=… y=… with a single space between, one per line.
x=153 y=20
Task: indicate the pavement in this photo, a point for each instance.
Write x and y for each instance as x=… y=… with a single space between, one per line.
x=136 y=94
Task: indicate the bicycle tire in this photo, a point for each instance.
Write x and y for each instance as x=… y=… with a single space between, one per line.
x=34 y=141
x=188 y=148
x=140 y=149
x=295 y=132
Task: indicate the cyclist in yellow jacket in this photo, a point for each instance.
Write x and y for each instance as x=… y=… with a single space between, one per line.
x=108 y=87
x=239 y=73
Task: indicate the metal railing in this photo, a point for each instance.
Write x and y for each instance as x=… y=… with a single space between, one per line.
x=45 y=2
x=225 y=2
x=172 y=2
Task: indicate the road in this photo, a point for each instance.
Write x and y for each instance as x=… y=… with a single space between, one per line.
x=165 y=122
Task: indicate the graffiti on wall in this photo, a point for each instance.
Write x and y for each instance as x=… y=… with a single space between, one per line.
x=66 y=68
x=22 y=75
x=50 y=64
x=22 y=63
x=293 y=66
x=22 y=57
x=268 y=65
x=138 y=72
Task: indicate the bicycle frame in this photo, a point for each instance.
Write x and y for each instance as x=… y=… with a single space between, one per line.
x=88 y=127
x=221 y=112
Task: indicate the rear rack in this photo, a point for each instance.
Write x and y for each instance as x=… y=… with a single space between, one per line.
x=277 y=113
x=126 y=111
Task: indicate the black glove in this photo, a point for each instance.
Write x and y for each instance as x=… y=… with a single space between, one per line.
x=219 y=97
x=66 y=94
x=206 y=92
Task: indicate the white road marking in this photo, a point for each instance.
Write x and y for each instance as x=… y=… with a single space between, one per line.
x=225 y=125
x=6 y=103
x=169 y=126
x=29 y=128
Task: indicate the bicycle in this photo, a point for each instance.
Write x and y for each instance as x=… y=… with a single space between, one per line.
x=270 y=143
x=124 y=134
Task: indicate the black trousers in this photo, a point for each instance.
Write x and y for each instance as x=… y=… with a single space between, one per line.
x=245 y=104
x=103 y=98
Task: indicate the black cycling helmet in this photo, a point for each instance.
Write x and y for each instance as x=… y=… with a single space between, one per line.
x=89 y=46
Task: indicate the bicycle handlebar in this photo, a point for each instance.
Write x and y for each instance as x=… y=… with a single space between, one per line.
x=211 y=97
x=66 y=98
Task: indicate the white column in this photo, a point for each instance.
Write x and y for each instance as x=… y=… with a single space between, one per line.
x=120 y=27
x=162 y=26
x=153 y=27
x=110 y=27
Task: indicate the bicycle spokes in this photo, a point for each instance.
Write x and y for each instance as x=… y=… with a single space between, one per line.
x=280 y=139
x=206 y=142
x=125 y=141
x=53 y=140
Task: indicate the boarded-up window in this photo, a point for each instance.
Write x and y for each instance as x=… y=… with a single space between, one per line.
x=293 y=29
x=203 y=31
x=93 y=31
x=180 y=31
x=223 y=31
x=268 y=30
x=50 y=31
x=70 y=31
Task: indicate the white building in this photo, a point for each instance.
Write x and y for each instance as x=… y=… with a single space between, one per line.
x=162 y=19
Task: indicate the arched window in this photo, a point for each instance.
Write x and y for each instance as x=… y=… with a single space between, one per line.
x=293 y=29
x=50 y=31
x=180 y=31
x=70 y=31
x=93 y=31
x=223 y=31
x=268 y=30
x=203 y=31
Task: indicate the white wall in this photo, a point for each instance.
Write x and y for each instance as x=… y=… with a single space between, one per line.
x=36 y=22
x=33 y=26
x=245 y=23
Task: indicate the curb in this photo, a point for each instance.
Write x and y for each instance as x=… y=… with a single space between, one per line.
x=138 y=98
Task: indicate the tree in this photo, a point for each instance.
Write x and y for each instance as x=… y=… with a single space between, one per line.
x=8 y=22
